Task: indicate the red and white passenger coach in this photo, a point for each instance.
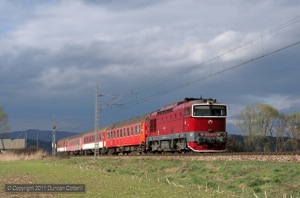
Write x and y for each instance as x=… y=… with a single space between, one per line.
x=194 y=124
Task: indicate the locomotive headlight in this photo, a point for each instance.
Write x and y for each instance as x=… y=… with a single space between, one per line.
x=219 y=134
x=201 y=134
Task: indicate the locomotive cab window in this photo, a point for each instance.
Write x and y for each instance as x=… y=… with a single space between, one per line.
x=209 y=110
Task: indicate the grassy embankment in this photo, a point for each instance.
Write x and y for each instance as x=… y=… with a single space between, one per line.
x=156 y=178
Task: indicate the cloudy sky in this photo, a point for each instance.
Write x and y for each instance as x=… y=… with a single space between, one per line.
x=143 y=54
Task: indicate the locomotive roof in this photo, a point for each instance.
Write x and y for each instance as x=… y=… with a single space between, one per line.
x=179 y=104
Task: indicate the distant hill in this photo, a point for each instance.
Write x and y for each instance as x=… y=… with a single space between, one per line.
x=33 y=134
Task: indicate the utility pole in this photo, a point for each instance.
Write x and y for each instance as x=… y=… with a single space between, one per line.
x=53 y=137
x=37 y=138
x=25 y=135
x=96 y=150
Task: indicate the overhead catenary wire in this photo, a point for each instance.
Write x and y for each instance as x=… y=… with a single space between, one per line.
x=160 y=87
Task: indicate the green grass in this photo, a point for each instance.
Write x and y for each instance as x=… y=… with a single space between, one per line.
x=157 y=178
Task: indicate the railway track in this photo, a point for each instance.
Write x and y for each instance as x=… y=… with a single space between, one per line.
x=285 y=157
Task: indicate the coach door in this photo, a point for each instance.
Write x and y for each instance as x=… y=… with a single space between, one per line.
x=142 y=132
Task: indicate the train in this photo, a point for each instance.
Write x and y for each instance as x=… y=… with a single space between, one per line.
x=191 y=125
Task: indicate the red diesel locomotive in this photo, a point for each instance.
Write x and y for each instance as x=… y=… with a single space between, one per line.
x=191 y=125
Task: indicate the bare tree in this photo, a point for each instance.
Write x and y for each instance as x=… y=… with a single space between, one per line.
x=4 y=126
x=280 y=129
x=266 y=116
x=258 y=126
x=294 y=129
x=246 y=123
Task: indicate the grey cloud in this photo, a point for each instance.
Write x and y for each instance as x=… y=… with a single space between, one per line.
x=55 y=57
x=124 y=5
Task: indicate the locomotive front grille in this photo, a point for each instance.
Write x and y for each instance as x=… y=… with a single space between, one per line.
x=217 y=137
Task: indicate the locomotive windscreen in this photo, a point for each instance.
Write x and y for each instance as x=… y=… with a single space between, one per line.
x=209 y=110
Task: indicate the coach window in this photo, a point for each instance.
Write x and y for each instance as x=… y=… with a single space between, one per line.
x=121 y=132
x=117 y=133
x=139 y=129
x=135 y=130
x=132 y=131
x=124 y=132
x=128 y=132
x=170 y=117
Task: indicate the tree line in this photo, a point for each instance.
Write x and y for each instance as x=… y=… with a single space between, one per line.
x=266 y=129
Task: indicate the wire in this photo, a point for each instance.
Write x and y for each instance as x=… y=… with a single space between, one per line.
x=160 y=88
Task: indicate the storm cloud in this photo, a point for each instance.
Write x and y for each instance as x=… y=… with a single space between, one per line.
x=53 y=53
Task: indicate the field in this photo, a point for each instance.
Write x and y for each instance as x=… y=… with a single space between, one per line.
x=153 y=178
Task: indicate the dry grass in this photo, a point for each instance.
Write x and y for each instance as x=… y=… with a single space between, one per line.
x=24 y=155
